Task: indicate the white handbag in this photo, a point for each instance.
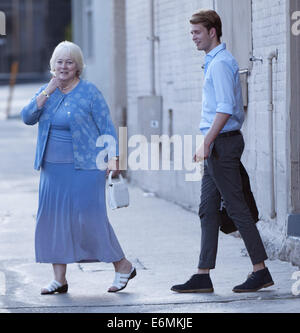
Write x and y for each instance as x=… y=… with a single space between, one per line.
x=118 y=195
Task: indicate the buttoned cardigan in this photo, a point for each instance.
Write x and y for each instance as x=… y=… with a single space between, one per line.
x=91 y=126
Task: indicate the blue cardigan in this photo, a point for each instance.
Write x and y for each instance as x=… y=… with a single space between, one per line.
x=92 y=130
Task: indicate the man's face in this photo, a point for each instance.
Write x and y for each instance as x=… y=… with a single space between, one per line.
x=202 y=37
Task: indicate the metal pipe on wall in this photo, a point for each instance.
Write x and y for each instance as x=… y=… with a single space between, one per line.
x=152 y=39
x=272 y=55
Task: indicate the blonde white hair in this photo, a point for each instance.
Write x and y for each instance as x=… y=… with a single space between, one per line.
x=70 y=49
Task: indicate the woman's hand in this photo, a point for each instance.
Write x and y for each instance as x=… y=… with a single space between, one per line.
x=52 y=85
x=113 y=165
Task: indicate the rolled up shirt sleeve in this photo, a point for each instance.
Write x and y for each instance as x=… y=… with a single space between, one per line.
x=224 y=86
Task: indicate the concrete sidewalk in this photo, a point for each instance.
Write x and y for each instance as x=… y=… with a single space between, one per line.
x=21 y=94
x=160 y=238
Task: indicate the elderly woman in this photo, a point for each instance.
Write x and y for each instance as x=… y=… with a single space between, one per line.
x=72 y=224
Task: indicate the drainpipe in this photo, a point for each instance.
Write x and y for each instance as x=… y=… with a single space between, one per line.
x=152 y=38
x=272 y=55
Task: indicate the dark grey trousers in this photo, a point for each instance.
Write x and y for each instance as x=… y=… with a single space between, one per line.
x=222 y=178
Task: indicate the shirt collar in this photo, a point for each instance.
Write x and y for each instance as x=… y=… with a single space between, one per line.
x=216 y=50
x=212 y=54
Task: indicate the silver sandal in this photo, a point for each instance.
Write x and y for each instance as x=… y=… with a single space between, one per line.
x=121 y=280
x=55 y=287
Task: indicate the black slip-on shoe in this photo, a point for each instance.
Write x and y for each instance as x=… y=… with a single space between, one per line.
x=198 y=283
x=256 y=281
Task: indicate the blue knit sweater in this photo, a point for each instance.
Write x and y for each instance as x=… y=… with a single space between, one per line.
x=93 y=133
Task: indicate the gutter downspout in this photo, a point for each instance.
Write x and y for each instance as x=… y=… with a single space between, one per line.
x=152 y=40
x=271 y=56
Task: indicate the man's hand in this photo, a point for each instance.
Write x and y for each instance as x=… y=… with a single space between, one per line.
x=202 y=153
x=218 y=124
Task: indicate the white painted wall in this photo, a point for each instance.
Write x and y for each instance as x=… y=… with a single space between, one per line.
x=179 y=82
x=179 y=78
x=269 y=33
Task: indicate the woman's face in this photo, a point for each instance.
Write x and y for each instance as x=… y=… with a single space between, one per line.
x=65 y=68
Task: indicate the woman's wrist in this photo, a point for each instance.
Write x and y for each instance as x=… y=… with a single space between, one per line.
x=41 y=100
x=46 y=93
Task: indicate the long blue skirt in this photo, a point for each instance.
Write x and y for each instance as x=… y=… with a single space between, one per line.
x=72 y=224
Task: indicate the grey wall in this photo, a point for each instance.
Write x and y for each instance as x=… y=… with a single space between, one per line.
x=99 y=28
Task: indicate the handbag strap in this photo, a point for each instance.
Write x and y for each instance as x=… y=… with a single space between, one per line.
x=110 y=182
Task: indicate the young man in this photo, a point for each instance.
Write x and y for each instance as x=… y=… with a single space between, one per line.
x=222 y=119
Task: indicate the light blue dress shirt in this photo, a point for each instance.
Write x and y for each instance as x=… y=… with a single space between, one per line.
x=222 y=92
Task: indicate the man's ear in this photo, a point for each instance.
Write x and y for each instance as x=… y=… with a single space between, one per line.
x=212 y=33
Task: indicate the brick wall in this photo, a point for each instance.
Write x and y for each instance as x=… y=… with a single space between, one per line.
x=269 y=33
x=179 y=81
